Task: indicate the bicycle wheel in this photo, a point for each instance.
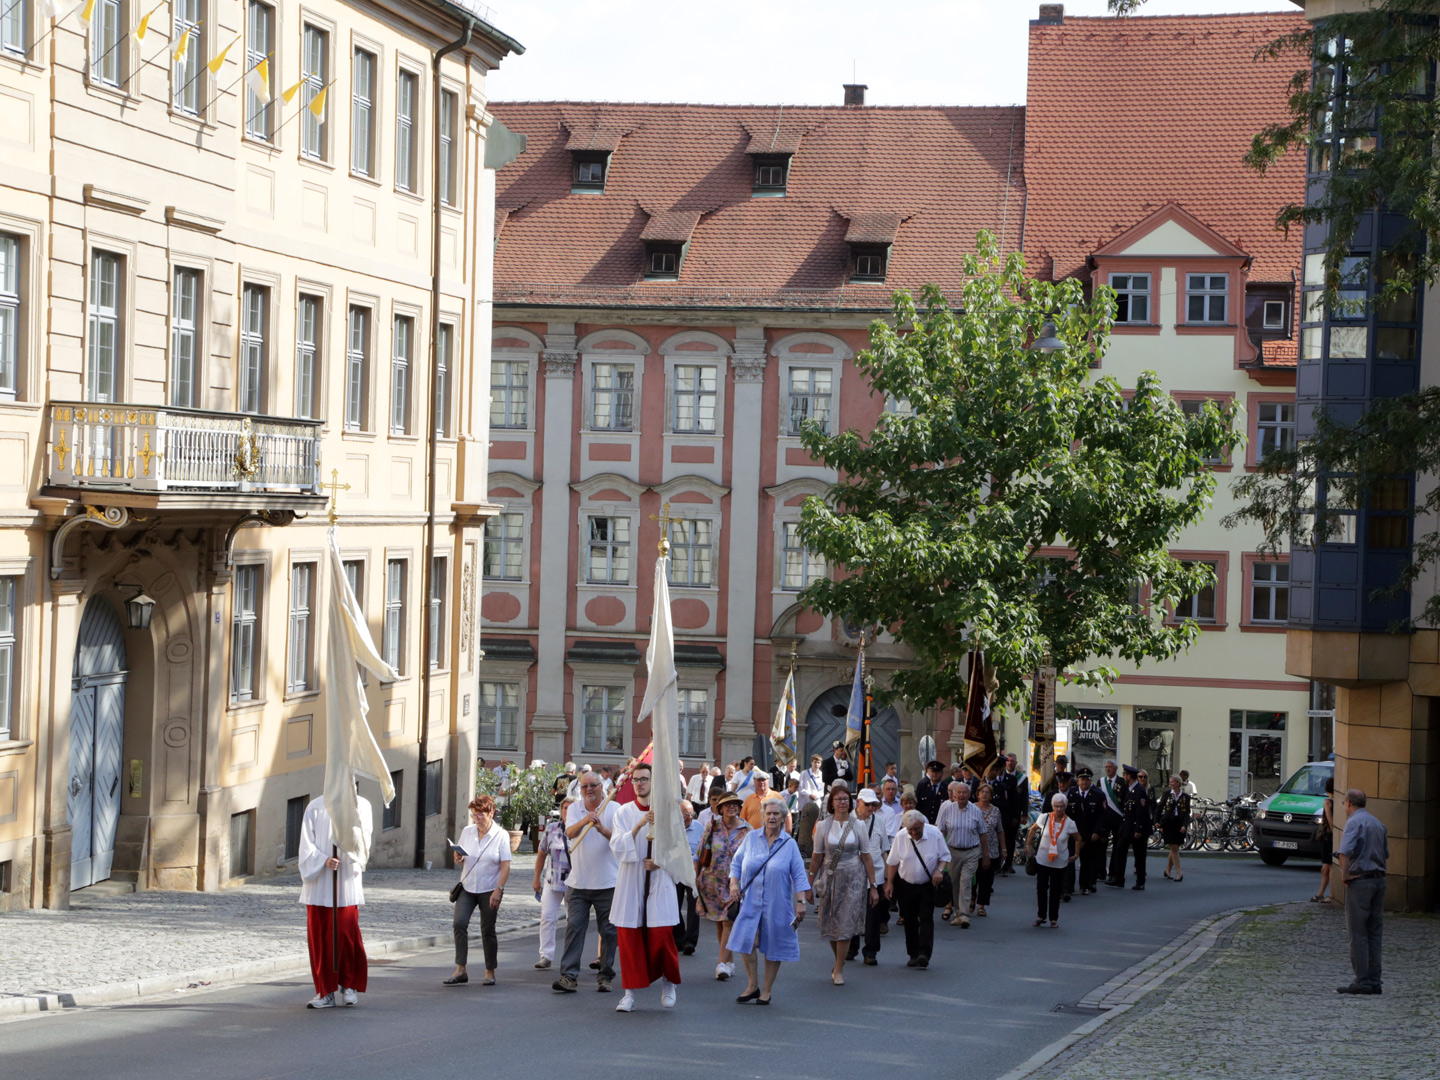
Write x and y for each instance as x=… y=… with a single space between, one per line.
x=1216 y=833
x=1195 y=838
x=1157 y=839
x=1239 y=838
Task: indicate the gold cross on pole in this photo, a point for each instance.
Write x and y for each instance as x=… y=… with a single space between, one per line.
x=334 y=487
x=664 y=518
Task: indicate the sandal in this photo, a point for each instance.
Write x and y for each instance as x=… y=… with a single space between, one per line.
x=1038 y=922
x=980 y=911
x=1317 y=899
x=1054 y=925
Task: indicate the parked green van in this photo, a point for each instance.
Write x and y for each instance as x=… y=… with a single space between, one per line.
x=1285 y=825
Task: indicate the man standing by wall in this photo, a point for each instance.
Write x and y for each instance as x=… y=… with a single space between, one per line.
x=1364 y=850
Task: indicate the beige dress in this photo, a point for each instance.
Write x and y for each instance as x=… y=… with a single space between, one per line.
x=843 y=885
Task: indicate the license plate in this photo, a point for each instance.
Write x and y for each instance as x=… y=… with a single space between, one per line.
x=1288 y=845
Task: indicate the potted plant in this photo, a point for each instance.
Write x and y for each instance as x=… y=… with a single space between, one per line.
x=532 y=795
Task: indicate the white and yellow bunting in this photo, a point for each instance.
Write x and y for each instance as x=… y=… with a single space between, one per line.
x=184 y=45
x=257 y=80
x=144 y=27
x=216 y=62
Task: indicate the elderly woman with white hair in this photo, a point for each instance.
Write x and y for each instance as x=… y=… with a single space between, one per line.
x=1055 y=831
x=768 y=876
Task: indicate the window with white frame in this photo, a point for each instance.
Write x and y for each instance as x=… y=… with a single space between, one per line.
x=1201 y=605
x=362 y=113
x=394 y=629
x=810 y=397
x=357 y=367
x=800 y=565
x=259 y=65
x=184 y=336
x=499 y=715
x=1269 y=592
x=400 y=375
x=406 y=96
x=609 y=549
x=694 y=723
x=14 y=21
x=9 y=618
x=505 y=547
x=1132 y=297
x=602 y=720
x=314 y=71
x=1274 y=427
x=190 y=61
x=1206 y=297
x=300 y=667
x=444 y=341
x=691 y=552
x=102 y=359
x=307 y=354
x=695 y=398
x=254 y=311
x=355 y=578
x=449 y=106
x=612 y=397
x=10 y=310
x=438 y=573
x=244 y=629
x=509 y=393
x=1272 y=315
x=108 y=39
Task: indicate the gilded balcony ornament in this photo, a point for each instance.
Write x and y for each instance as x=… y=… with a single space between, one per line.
x=145 y=454
x=247 y=456
x=61 y=449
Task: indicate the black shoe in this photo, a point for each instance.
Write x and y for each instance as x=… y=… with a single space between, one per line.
x=594 y=965
x=1116 y=884
x=1066 y=897
x=923 y=962
x=1138 y=888
x=914 y=961
x=688 y=950
x=1354 y=988
x=850 y=957
x=565 y=984
x=870 y=961
x=745 y=999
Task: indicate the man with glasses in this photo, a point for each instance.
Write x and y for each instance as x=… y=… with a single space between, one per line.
x=645 y=909
x=591 y=884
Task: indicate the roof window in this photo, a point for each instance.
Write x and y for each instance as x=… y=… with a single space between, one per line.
x=589 y=169
x=868 y=262
x=662 y=261
x=771 y=173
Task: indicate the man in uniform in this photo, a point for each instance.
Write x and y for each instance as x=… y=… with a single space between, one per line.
x=1011 y=795
x=837 y=766
x=1087 y=808
x=644 y=918
x=1137 y=826
x=1113 y=788
x=931 y=793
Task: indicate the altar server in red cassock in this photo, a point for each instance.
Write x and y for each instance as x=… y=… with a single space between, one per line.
x=644 y=919
x=317 y=866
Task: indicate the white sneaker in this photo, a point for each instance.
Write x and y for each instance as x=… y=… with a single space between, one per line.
x=667 y=994
x=321 y=1001
x=542 y=963
x=720 y=973
x=348 y=996
x=627 y=1003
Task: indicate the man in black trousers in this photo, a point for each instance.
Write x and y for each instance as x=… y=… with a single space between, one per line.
x=1087 y=808
x=1116 y=792
x=1011 y=794
x=1138 y=823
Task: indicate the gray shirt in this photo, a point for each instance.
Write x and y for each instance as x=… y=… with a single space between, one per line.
x=1364 y=843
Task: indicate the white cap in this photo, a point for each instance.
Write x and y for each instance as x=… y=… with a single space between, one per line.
x=759 y=773
x=868 y=795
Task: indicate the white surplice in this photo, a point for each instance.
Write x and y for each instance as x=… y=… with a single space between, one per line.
x=630 y=881
x=315 y=848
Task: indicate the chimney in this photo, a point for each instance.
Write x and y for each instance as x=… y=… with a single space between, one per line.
x=1052 y=15
x=855 y=95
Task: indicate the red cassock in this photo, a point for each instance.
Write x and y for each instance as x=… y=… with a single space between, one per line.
x=354 y=968
x=646 y=954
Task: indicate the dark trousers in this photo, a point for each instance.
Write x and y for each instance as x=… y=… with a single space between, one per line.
x=917 y=908
x=1049 y=882
x=1011 y=827
x=984 y=884
x=876 y=916
x=1364 y=917
x=1139 y=845
x=578 y=903
x=1067 y=877
x=687 y=930
x=1092 y=862
x=464 y=908
x=1117 y=852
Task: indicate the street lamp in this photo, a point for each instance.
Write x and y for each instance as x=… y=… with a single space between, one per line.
x=138 y=608
x=1048 y=342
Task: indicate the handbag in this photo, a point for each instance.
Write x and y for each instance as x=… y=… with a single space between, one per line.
x=459 y=886
x=732 y=909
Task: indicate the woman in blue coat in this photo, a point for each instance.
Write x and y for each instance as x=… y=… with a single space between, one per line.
x=770 y=872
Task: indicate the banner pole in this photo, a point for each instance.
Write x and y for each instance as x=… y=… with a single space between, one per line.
x=335 y=910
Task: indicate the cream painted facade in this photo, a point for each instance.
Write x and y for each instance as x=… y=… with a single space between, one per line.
x=213 y=309
x=1238 y=663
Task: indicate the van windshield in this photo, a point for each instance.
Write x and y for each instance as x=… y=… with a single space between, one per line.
x=1307 y=782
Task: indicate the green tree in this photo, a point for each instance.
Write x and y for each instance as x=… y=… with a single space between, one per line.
x=940 y=522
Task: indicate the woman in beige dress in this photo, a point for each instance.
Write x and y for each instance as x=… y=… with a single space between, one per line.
x=843 y=888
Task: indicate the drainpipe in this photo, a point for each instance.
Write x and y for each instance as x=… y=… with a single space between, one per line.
x=428 y=558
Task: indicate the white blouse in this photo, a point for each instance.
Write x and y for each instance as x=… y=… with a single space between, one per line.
x=480 y=872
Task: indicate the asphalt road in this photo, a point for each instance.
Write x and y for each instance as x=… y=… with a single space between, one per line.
x=986 y=1004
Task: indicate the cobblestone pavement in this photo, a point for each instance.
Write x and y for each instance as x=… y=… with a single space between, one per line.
x=124 y=938
x=1263 y=1004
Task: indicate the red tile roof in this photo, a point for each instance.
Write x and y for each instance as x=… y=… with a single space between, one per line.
x=947 y=172
x=1126 y=114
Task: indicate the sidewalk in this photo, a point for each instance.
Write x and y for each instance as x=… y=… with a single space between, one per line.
x=1260 y=1001
x=124 y=946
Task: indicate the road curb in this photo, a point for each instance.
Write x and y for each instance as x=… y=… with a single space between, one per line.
x=250 y=971
x=1124 y=991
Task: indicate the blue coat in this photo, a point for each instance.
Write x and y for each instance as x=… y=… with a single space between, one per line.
x=768 y=908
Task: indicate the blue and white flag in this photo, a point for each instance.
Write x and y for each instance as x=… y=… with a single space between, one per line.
x=855 y=717
x=782 y=732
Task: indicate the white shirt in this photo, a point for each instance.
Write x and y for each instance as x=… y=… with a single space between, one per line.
x=1061 y=844
x=812 y=786
x=625 y=909
x=592 y=863
x=905 y=855
x=873 y=830
x=1189 y=788
x=705 y=816
x=316 y=847
x=480 y=871
x=892 y=812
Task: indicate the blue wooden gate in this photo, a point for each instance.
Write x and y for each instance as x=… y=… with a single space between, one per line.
x=97 y=729
x=825 y=722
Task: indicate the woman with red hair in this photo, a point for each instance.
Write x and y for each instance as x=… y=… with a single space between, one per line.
x=484 y=861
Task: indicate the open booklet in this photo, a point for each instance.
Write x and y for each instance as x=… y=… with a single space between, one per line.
x=457 y=849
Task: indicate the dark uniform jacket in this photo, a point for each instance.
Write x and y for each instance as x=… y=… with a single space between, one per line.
x=830 y=772
x=930 y=797
x=1010 y=792
x=1137 y=812
x=1088 y=810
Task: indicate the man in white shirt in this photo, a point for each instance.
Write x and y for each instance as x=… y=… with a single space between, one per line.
x=812 y=782
x=591 y=884
x=717 y=792
x=890 y=805
x=697 y=789
x=318 y=877
x=644 y=918
x=961 y=823
x=913 y=873
x=871 y=826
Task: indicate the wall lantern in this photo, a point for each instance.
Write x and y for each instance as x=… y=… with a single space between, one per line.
x=138 y=608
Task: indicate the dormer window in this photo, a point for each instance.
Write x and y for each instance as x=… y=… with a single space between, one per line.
x=771 y=173
x=662 y=261
x=590 y=167
x=868 y=262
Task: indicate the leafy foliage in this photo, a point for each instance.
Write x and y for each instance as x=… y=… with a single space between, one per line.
x=942 y=518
